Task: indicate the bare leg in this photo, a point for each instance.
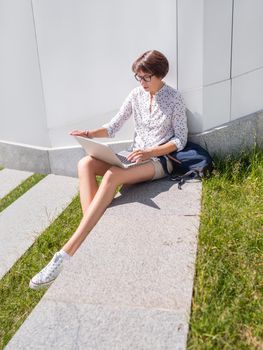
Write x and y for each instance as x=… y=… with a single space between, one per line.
x=103 y=197
x=88 y=168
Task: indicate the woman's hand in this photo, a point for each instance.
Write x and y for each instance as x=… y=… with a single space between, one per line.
x=84 y=133
x=139 y=155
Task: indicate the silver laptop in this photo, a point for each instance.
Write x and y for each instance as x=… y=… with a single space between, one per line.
x=105 y=153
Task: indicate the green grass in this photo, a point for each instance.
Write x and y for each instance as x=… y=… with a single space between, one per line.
x=227 y=306
x=227 y=303
x=20 y=190
x=16 y=299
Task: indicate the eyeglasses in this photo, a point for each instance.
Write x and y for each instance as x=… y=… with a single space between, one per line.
x=146 y=78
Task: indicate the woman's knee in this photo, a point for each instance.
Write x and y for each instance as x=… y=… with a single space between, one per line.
x=114 y=175
x=84 y=164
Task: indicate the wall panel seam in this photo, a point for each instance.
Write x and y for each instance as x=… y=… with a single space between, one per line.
x=39 y=67
x=231 y=60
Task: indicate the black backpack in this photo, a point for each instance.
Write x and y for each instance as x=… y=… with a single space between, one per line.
x=192 y=162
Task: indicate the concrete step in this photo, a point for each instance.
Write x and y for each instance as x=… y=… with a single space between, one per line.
x=26 y=218
x=130 y=284
x=10 y=179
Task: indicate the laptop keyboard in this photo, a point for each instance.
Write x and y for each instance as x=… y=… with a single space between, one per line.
x=123 y=159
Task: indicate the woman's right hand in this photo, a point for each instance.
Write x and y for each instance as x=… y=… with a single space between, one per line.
x=84 y=133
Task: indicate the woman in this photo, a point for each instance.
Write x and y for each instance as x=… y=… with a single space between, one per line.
x=160 y=125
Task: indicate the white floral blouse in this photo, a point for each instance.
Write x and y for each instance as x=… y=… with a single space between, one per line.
x=166 y=121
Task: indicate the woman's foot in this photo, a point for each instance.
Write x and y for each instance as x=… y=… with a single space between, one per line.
x=48 y=274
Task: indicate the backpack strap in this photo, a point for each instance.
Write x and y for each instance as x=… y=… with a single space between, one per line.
x=191 y=174
x=180 y=178
x=193 y=162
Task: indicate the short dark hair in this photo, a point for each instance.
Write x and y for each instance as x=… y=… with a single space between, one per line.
x=153 y=62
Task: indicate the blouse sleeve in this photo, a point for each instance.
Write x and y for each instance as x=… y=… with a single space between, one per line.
x=121 y=117
x=179 y=123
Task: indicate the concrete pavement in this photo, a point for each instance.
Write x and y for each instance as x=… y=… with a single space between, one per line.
x=129 y=286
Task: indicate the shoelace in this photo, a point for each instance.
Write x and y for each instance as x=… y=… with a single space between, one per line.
x=52 y=266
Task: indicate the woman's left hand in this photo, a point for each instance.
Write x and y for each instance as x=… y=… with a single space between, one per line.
x=139 y=155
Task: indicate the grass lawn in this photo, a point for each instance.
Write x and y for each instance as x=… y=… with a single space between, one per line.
x=227 y=303
x=20 y=190
x=227 y=306
x=16 y=299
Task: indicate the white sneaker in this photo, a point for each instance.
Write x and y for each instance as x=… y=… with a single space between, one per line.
x=48 y=274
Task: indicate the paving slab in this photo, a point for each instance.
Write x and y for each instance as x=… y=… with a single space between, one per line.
x=130 y=284
x=26 y=218
x=100 y=327
x=147 y=264
x=10 y=179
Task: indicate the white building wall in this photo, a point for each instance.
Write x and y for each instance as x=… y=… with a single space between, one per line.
x=66 y=64
x=220 y=60
x=86 y=52
x=22 y=108
x=247 y=58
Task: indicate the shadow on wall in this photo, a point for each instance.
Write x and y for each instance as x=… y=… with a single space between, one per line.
x=194 y=120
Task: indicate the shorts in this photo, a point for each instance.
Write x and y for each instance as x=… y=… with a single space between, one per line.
x=159 y=172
